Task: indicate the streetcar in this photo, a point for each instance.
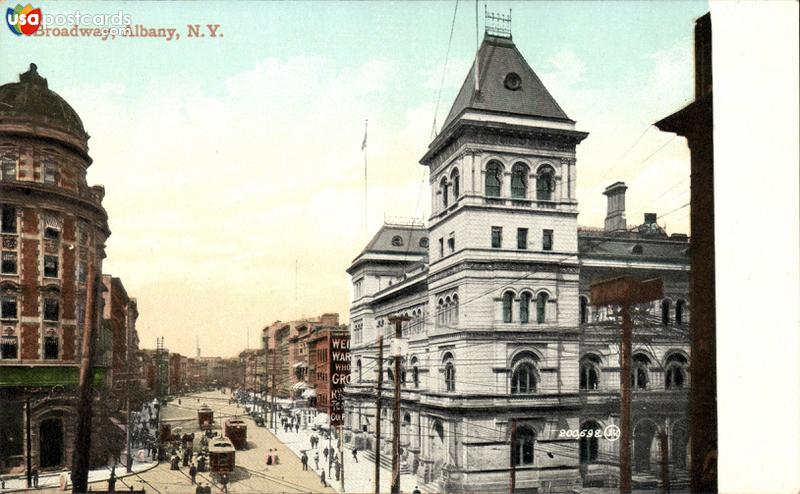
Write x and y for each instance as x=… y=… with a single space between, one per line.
x=236 y=432
x=205 y=417
x=221 y=456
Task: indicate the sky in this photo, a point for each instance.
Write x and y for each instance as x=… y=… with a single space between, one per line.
x=233 y=167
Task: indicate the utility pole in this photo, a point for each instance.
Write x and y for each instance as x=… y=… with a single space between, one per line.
x=274 y=368
x=378 y=418
x=341 y=460
x=514 y=451
x=264 y=381
x=28 y=435
x=396 y=354
x=626 y=292
x=80 y=461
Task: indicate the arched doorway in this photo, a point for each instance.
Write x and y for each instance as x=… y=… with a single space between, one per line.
x=51 y=443
x=437 y=448
x=679 y=446
x=643 y=436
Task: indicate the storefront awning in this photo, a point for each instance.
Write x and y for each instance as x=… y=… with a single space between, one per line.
x=310 y=393
x=300 y=365
x=300 y=385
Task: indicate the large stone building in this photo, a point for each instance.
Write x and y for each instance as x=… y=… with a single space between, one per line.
x=505 y=361
x=53 y=229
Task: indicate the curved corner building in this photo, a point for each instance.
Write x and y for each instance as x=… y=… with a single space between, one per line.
x=53 y=227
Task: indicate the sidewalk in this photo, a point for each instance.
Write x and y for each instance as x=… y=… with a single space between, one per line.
x=51 y=480
x=359 y=477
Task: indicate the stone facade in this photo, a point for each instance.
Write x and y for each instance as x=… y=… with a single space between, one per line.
x=498 y=354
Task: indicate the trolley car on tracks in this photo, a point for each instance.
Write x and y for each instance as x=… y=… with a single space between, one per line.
x=221 y=456
x=236 y=432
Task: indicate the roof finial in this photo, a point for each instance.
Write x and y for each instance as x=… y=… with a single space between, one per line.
x=32 y=76
x=498 y=24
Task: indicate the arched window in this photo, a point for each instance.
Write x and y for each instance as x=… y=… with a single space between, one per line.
x=680 y=307
x=584 y=309
x=456 y=183
x=519 y=181
x=449 y=372
x=494 y=179
x=443 y=191
x=675 y=374
x=541 y=308
x=589 y=443
x=522 y=448
x=665 y=312
x=455 y=309
x=545 y=183
x=448 y=308
x=524 y=377
x=590 y=372
x=440 y=313
x=640 y=373
x=508 y=306
x=415 y=371
x=358 y=369
x=524 y=307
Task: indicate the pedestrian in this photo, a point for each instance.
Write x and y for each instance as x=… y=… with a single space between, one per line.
x=193 y=472
x=416 y=490
x=199 y=489
x=355 y=454
x=316 y=460
x=35 y=474
x=297 y=427
x=322 y=478
x=325 y=453
x=303 y=460
x=275 y=457
x=269 y=456
x=336 y=468
x=3 y=483
x=224 y=481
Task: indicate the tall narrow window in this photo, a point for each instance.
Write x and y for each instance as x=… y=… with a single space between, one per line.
x=443 y=191
x=51 y=347
x=680 y=305
x=455 y=309
x=51 y=266
x=547 y=239
x=9 y=167
x=519 y=181
x=456 y=183
x=9 y=263
x=497 y=237
x=9 y=308
x=665 y=312
x=449 y=373
x=508 y=306
x=589 y=442
x=523 y=379
x=522 y=447
x=50 y=173
x=675 y=377
x=51 y=309
x=441 y=247
x=451 y=244
x=415 y=371
x=584 y=315
x=545 y=184
x=522 y=238
x=9 y=219
x=524 y=307
x=589 y=372
x=640 y=374
x=494 y=179
x=541 y=308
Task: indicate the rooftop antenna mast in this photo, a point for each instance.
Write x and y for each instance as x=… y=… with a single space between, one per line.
x=477 y=47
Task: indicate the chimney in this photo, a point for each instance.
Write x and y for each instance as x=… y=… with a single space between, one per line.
x=615 y=216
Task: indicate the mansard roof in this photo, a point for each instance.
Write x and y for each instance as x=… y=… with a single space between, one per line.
x=499 y=90
x=405 y=240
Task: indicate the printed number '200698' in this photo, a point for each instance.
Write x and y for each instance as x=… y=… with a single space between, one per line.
x=580 y=433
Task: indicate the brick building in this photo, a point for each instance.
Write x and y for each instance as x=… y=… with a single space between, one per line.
x=252 y=361
x=125 y=370
x=319 y=363
x=505 y=361
x=53 y=229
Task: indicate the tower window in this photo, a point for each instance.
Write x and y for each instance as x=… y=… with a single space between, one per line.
x=51 y=233
x=522 y=450
x=508 y=306
x=443 y=191
x=541 y=308
x=50 y=173
x=584 y=310
x=449 y=373
x=441 y=247
x=451 y=244
x=519 y=181
x=497 y=237
x=9 y=168
x=522 y=238
x=9 y=219
x=9 y=308
x=9 y=346
x=547 y=239
x=680 y=305
x=524 y=307
x=545 y=184
x=454 y=179
x=665 y=312
x=494 y=179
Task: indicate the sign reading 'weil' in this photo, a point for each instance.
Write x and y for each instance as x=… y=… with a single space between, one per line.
x=340 y=376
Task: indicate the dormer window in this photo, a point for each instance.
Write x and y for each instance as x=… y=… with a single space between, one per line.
x=512 y=82
x=637 y=249
x=397 y=241
x=423 y=242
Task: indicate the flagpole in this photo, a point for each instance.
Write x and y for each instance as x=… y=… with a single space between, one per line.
x=364 y=148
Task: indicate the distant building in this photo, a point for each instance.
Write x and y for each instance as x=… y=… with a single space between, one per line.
x=53 y=228
x=320 y=364
x=505 y=361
